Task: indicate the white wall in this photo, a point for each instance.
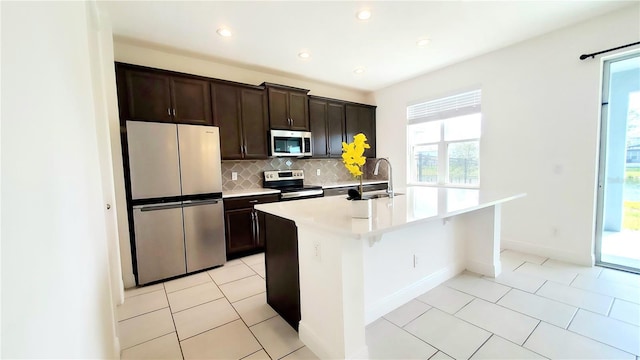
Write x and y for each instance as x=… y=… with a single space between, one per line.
x=540 y=107
x=143 y=54
x=56 y=296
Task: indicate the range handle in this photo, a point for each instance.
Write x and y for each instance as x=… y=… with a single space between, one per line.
x=165 y=206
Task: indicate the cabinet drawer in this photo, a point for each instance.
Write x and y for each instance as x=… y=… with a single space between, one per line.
x=249 y=201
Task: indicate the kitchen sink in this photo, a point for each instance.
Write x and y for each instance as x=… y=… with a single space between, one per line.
x=379 y=195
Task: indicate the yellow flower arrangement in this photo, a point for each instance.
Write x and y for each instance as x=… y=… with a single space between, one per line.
x=353 y=158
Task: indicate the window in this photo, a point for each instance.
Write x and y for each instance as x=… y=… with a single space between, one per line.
x=444 y=140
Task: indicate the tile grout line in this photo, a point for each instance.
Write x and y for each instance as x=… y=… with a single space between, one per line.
x=412 y=334
x=595 y=340
x=528 y=336
x=611 y=307
x=255 y=352
x=284 y=356
x=481 y=345
x=144 y=313
x=383 y=316
x=146 y=341
x=540 y=287
x=245 y=323
x=173 y=320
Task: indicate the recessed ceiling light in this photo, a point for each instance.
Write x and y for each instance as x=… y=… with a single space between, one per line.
x=224 y=31
x=359 y=70
x=304 y=55
x=423 y=42
x=364 y=14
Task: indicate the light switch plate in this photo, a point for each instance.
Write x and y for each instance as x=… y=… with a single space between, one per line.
x=234 y=176
x=318 y=172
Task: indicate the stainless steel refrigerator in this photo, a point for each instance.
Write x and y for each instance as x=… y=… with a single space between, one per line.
x=176 y=192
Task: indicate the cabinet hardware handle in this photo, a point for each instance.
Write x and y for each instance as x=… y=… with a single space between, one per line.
x=174 y=112
x=253 y=201
x=253 y=223
x=257 y=228
x=291 y=122
x=169 y=111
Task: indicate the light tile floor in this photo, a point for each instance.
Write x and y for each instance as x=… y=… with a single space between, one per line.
x=538 y=308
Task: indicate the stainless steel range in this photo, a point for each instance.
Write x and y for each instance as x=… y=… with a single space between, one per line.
x=290 y=184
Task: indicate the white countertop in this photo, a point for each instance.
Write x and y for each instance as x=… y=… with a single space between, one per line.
x=419 y=204
x=336 y=184
x=248 y=192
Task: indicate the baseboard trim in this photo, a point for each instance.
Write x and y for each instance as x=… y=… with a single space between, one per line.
x=484 y=269
x=408 y=293
x=320 y=348
x=552 y=253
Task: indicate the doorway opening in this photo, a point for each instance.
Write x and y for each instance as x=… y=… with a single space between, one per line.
x=618 y=220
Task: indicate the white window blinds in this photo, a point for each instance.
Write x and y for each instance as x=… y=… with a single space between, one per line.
x=444 y=108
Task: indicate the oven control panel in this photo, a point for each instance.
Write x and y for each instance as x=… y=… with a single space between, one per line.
x=278 y=175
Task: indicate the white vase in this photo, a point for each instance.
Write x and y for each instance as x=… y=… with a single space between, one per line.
x=361 y=209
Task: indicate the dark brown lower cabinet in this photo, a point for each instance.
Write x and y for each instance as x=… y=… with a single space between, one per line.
x=242 y=225
x=281 y=266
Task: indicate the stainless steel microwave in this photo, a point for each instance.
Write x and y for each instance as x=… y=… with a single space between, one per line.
x=290 y=143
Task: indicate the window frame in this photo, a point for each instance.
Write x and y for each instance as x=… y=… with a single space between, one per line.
x=443 y=151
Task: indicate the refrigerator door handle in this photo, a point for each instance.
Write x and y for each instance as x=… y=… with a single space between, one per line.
x=189 y=203
x=165 y=206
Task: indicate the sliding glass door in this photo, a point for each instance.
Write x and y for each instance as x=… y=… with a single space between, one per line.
x=618 y=215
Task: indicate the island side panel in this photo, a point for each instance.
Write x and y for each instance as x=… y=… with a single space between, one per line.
x=480 y=231
x=406 y=263
x=281 y=267
x=331 y=294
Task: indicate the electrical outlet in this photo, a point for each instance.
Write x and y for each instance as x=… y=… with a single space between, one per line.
x=318 y=172
x=234 y=176
x=317 y=253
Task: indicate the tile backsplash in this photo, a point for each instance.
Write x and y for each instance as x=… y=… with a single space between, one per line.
x=331 y=170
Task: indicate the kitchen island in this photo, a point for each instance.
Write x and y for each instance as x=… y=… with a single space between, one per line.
x=353 y=271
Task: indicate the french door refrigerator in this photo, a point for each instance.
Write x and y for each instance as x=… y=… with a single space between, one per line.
x=176 y=192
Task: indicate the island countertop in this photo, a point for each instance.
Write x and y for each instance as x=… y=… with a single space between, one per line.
x=418 y=204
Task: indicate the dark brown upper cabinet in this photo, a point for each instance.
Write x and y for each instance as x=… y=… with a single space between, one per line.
x=361 y=118
x=241 y=114
x=288 y=107
x=156 y=95
x=327 y=125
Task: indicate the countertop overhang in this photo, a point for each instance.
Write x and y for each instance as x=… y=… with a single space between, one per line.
x=417 y=205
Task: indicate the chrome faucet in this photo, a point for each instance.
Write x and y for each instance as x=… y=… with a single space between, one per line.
x=390 y=181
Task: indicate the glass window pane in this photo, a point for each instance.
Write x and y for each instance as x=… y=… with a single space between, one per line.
x=463 y=163
x=423 y=133
x=425 y=163
x=463 y=127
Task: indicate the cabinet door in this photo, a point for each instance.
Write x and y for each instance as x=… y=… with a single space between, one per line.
x=240 y=230
x=278 y=109
x=361 y=119
x=255 y=126
x=191 y=101
x=226 y=116
x=335 y=129
x=298 y=111
x=318 y=127
x=148 y=96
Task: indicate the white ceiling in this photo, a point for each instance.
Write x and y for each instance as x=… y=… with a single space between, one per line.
x=268 y=35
